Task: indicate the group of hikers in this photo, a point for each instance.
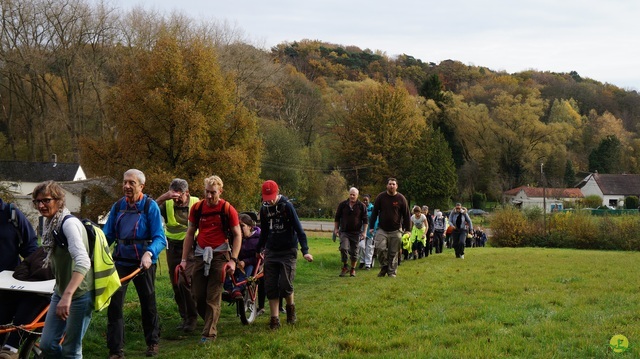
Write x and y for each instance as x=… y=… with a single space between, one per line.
x=387 y=227
x=206 y=240
x=203 y=239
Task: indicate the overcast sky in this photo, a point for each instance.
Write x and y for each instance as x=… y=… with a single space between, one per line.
x=599 y=39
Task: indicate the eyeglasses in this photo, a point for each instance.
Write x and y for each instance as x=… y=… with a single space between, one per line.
x=43 y=201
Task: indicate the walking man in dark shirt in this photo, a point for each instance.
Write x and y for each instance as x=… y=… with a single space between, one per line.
x=351 y=227
x=392 y=212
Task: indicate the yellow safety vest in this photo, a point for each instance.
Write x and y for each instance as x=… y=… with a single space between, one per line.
x=105 y=277
x=174 y=230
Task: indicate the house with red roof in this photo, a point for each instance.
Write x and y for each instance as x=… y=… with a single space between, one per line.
x=554 y=198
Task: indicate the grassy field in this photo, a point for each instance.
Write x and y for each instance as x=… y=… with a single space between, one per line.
x=496 y=303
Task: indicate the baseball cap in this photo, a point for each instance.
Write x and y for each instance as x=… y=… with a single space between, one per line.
x=269 y=190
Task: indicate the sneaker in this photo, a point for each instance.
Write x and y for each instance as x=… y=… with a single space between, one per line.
x=291 y=314
x=352 y=273
x=462 y=256
x=190 y=325
x=344 y=272
x=392 y=275
x=367 y=268
x=361 y=266
x=383 y=271
x=236 y=295
x=282 y=310
x=8 y=354
x=152 y=350
x=274 y=323
x=119 y=355
x=206 y=340
x=260 y=312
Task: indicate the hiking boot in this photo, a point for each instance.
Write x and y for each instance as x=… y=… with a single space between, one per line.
x=291 y=314
x=274 y=323
x=345 y=272
x=152 y=350
x=353 y=272
x=383 y=271
x=190 y=325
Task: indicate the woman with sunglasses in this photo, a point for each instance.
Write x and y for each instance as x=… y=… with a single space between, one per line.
x=72 y=300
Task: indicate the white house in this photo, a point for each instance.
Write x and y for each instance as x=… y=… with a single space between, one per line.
x=20 y=178
x=613 y=188
x=525 y=196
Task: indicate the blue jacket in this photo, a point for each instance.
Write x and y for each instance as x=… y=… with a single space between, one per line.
x=16 y=241
x=135 y=231
x=466 y=221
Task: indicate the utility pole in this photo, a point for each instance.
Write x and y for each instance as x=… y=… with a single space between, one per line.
x=544 y=199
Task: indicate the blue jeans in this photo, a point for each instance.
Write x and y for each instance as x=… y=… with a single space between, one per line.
x=73 y=328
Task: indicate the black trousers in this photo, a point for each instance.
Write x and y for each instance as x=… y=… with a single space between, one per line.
x=438 y=241
x=146 y=288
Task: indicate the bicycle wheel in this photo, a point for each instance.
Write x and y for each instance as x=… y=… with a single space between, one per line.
x=247 y=307
x=31 y=348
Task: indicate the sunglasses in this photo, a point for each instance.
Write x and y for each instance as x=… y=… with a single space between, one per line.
x=43 y=201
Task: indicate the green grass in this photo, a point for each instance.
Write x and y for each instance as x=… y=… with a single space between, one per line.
x=496 y=303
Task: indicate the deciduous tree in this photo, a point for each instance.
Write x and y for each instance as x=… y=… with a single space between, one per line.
x=173 y=114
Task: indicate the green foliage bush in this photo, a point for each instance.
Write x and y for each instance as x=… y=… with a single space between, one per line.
x=533 y=213
x=572 y=229
x=592 y=201
x=509 y=228
x=631 y=202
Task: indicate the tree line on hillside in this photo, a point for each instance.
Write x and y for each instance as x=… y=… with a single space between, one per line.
x=175 y=97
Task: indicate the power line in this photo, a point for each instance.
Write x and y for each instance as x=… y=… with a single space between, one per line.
x=275 y=164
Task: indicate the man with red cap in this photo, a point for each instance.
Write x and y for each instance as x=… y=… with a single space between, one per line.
x=280 y=234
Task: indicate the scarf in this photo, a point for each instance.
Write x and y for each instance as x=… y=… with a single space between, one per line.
x=51 y=224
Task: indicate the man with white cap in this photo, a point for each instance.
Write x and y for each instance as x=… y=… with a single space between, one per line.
x=280 y=234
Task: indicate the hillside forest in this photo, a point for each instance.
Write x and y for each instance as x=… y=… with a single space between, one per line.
x=176 y=97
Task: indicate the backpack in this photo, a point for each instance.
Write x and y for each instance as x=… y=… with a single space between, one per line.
x=281 y=207
x=439 y=224
x=147 y=203
x=106 y=280
x=13 y=219
x=224 y=216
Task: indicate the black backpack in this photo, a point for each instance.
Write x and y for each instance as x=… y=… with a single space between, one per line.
x=12 y=216
x=224 y=216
